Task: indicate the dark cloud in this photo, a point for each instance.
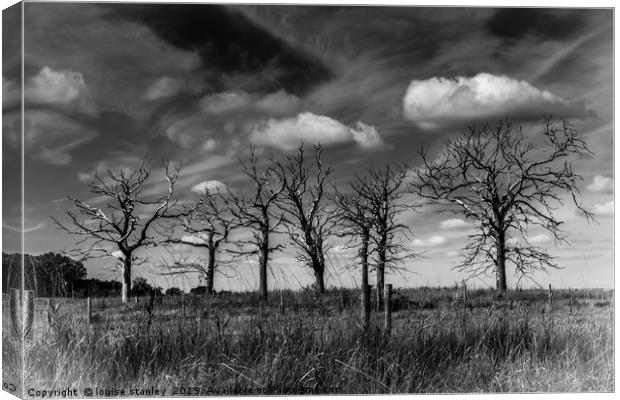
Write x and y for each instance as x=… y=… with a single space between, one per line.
x=227 y=40
x=518 y=23
x=11 y=44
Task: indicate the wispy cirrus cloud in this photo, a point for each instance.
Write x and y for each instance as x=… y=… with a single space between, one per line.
x=49 y=136
x=219 y=118
x=26 y=230
x=166 y=87
x=276 y=103
x=115 y=161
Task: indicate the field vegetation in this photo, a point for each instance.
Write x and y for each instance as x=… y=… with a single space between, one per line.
x=300 y=342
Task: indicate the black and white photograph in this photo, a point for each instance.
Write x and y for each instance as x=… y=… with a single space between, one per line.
x=219 y=199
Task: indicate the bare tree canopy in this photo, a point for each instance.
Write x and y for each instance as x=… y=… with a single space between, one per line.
x=383 y=189
x=303 y=201
x=207 y=225
x=124 y=223
x=256 y=211
x=505 y=182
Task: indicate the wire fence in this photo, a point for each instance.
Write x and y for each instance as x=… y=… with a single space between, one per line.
x=36 y=315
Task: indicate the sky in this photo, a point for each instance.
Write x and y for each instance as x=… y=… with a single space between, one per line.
x=109 y=84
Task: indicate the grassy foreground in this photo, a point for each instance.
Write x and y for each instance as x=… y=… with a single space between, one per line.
x=437 y=345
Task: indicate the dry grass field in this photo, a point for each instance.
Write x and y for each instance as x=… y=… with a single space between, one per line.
x=299 y=342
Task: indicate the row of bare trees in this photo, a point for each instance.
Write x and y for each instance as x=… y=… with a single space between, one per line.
x=498 y=178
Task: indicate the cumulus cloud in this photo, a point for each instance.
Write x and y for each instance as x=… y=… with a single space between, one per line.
x=539 y=239
x=439 y=101
x=454 y=224
x=209 y=186
x=62 y=88
x=430 y=242
x=601 y=184
x=604 y=209
x=287 y=133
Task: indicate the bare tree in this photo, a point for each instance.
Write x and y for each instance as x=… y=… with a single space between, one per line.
x=256 y=211
x=354 y=218
x=383 y=189
x=207 y=225
x=303 y=201
x=124 y=223
x=505 y=183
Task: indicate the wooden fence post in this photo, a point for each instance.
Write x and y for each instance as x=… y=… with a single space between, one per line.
x=48 y=311
x=89 y=310
x=15 y=308
x=464 y=292
x=388 y=308
x=550 y=301
x=341 y=301
x=182 y=305
x=28 y=314
x=570 y=301
x=282 y=307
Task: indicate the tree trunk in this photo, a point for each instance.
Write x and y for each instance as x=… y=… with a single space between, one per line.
x=501 y=263
x=318 y=266
x=126 y=289
x=380 y=279
x=211 y=270
x=318 y=275
x=263 y=258
x=263 y=277
x=365 y=287
x=317 y=260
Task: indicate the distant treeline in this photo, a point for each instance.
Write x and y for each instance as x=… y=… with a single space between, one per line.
x=53 y=275
x=56 y=275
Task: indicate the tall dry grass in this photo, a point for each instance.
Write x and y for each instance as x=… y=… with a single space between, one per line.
x=447 y=348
